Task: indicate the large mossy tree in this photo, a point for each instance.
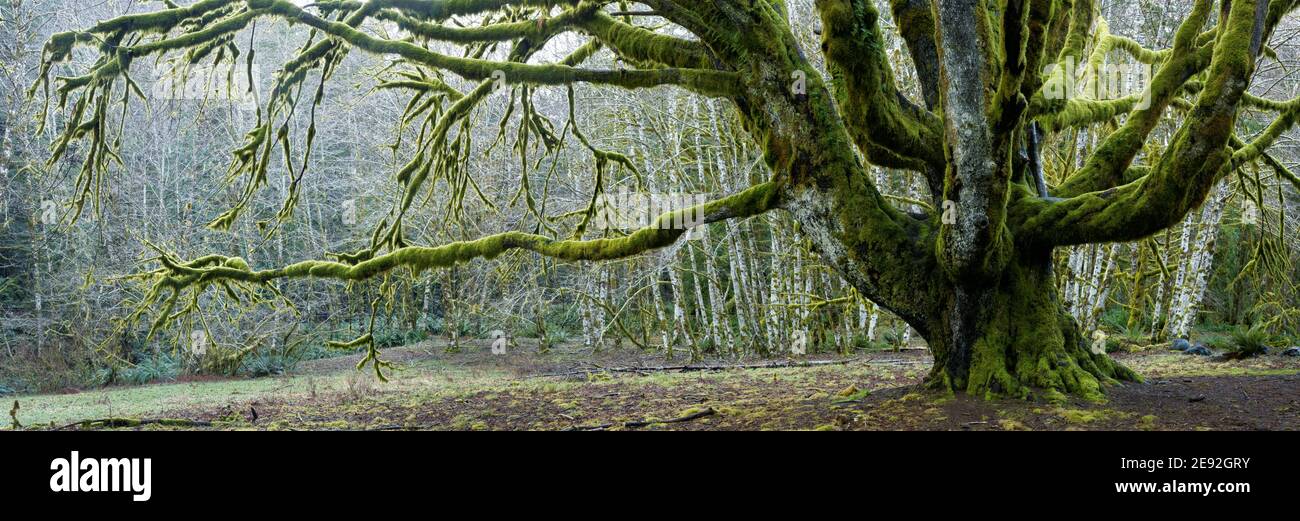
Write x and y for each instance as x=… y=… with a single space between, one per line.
x=973 y=276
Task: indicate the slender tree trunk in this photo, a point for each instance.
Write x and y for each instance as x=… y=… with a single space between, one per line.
x=585 y=308
x=1202 y=262
x=681 y=326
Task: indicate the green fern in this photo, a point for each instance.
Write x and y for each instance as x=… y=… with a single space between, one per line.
x=1250 y=342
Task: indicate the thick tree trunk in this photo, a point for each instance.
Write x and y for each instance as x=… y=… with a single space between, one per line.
x=973 y=275
x=1016 y=339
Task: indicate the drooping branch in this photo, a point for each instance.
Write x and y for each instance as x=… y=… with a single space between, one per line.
x=213 y=23
x=440 y=10
x=166 y=20
x=636 y=42
x=211 y=270
x=663 y=232
x=708 y=82
x=705 y=81
x=494 y=32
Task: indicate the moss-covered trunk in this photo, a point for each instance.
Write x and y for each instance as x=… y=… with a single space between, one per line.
x=1012 y=337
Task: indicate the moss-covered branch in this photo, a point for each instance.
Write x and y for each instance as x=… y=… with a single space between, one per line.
x=214 y=269
x=915 y=20
x=494 y=32
x=1198 y=156
x=708 y=82
x=644 y=45
x=1136 y=50
x=1287 y=119
x=1083 y=13
x=890 y=130
x=1114 y=156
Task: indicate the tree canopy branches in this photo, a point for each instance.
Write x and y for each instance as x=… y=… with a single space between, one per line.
x=990 y=76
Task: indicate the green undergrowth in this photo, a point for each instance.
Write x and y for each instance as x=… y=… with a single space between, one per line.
x=1174 y=364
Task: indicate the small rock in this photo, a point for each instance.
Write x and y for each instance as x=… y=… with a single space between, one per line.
x=1181 y=345
x=1295 y=351
x=1197 y=398
x=1199 y=350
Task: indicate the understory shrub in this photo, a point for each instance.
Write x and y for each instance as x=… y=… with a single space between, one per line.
x=1250 y=342
x=277 y=361
x=160 y=367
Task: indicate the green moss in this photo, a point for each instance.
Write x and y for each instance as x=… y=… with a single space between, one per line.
x=710 y=82
x=1088 y=416
x=642 y=44
x=1012 y=425
x=855 y=396
x=236 y=263
x=888 y=129
x=1027 y=347
x=692 y=411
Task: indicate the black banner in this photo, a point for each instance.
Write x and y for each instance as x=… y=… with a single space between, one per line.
x=329 y=471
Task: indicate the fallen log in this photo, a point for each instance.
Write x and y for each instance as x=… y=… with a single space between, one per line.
x=119 y=423
x=698 y=368
x=646 y=423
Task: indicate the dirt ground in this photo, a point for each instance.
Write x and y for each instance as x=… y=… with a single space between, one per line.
x=569 y=389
